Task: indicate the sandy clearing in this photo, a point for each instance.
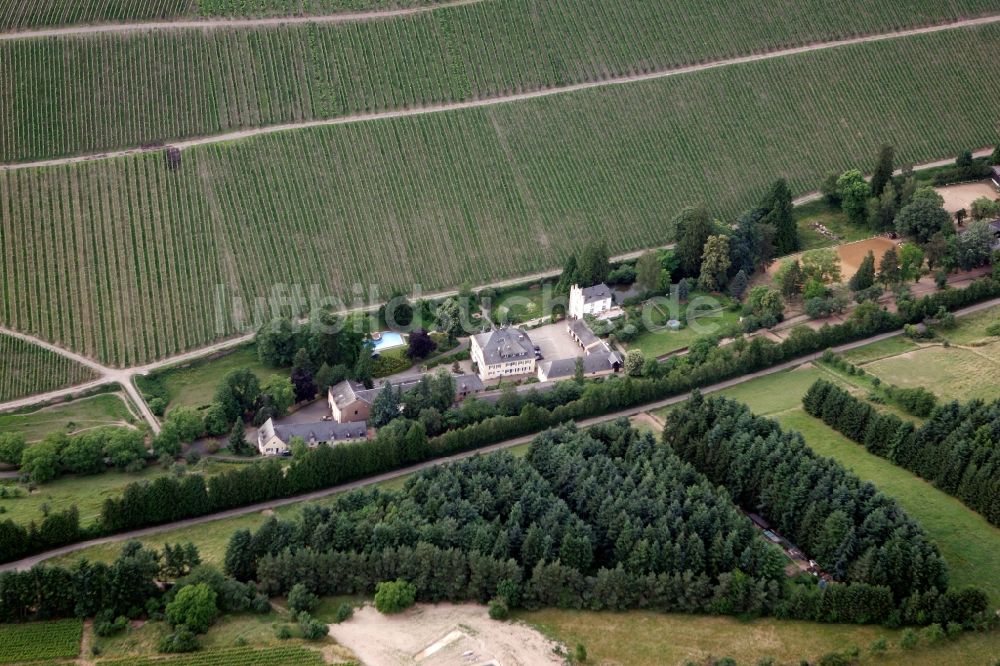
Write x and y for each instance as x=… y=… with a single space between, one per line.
x=961 y=196
x=434 y=635
x=852 y=254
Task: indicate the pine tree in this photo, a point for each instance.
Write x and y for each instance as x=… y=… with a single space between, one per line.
x=240 y=562
x=865 y=277
x=777 y=204
x=570 y=275
x=883 y=170
x=364 y=369
x=738 y=285
x=238 y=443
x=889 y=272
x=693 y=227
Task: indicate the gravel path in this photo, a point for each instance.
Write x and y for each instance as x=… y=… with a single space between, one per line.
x=223 y=23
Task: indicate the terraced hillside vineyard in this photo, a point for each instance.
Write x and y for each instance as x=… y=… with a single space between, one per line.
x=28 y=14
x=467 y=195
x=172 y=84
x=26 y=369
x=24 y=14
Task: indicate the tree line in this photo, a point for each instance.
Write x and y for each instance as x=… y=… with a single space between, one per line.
x=601 y=519
x=957 y=448
x=406 y=441
x=853 y=531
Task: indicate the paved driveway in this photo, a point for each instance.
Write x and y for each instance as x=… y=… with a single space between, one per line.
x=554 y=341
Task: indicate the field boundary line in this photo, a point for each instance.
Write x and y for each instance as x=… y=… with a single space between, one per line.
x=28 y=562
x=506 y=99
x=224 y=23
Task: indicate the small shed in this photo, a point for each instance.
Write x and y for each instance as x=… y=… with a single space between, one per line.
x=173 y=154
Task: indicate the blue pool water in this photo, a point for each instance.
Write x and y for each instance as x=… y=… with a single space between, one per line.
x=388 y=340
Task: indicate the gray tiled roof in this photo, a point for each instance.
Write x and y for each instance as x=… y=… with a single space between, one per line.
x=321 y=431
x=583 y=332
x=566 y=367
x=505 y=345
x=346 y=392
x=598 y=292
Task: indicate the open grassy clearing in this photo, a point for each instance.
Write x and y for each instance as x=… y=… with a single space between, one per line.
x=834 y=219
x=642 y=638
x=107 y=409
x=26 y=369
x=714 y=314
x=172 y=84
x=86 y=492
x=429 y=199
x=883 y=349
x=952 y=373
x=971 y=330
x=257 y=631
x=970 y=545
x=194 y=385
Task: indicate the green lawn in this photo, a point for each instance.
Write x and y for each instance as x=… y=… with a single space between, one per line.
x=195 y=385
x=950 y=373
x=86 y=492
x=878 y=350
x=644 y=638
x=520 y=305
x=228 y=631
x=971 y=329
x=969 y=543
x=100 y=410
x=833 y=219
x=655 y=343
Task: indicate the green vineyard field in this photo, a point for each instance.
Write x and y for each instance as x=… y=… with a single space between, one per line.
x=167 y=85
x=26 y=369
x=472 y=195
x=25 y=14
x=247 y=656
x=37 y=641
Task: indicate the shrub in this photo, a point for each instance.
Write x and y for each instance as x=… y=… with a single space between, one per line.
x=878 y=646
x=301 y=599
x=909 y=639
x=105 y=625
x=933 y=633
x=395 y=596
x=345 y=612
x=182 y=640
x=580 y=653
x=499 y=609
x=282 y=632
x=311 y=628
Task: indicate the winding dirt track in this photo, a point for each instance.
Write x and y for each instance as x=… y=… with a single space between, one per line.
x=519 y=97
x=222 y=23
x=28 y=562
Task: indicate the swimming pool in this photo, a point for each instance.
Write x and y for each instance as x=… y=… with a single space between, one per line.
x=386 y=340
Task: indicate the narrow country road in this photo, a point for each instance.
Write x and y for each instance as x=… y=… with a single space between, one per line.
x=28 y=562
x=224 y=23
x=519 y=97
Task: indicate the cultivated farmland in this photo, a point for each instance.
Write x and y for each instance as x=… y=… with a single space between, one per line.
x=430 y=199
x=38 y=641
x=247 y=656
x=167 y=85
x=22 y=14
x=26 y=369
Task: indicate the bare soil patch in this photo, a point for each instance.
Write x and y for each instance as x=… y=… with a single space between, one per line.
x=442 y=634
x=961 y=196
x=852 y=254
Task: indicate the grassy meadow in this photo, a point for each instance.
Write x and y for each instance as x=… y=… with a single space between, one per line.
x=194 y=385
x=427 y=200
x=87 y=493
x=644 y=638
x=106 y=409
